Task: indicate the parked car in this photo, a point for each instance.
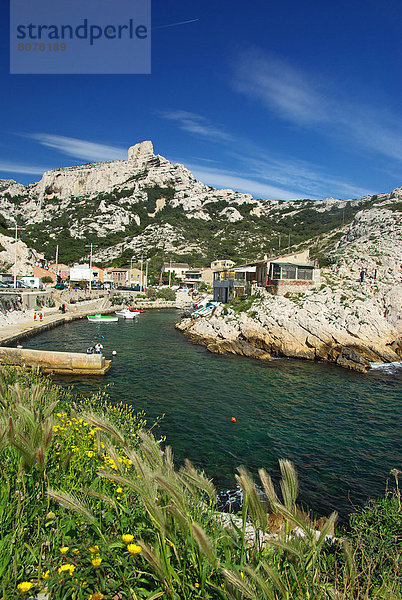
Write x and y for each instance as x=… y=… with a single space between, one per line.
x=59 y=286
x=21 y=284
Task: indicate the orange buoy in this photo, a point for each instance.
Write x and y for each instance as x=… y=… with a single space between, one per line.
x=234 y=420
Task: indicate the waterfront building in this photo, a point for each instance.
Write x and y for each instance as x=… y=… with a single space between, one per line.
x=279 y=275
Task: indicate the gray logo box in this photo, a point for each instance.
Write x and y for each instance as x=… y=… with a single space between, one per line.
x=80 y=37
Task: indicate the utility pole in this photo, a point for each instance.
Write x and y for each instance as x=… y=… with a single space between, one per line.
x=90 y=270
x=15 y=253
x=279 y=246
x=141 y=276
x=131 y=269
x=146 y=273
x=170 y=271
x=91 y=245
x=57 y=261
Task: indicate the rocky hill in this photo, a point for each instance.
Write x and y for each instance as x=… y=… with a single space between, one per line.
x=344 y=321
x=148 y=205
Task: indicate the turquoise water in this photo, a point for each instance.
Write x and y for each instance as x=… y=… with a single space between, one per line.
x=341 y=429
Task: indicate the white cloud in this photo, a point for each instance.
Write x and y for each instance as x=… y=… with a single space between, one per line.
x=11 y=167
x=318 y=105
x=197 y=125
x=229 y=179
x=80 y=149
x=310 y=180
x=280 y=87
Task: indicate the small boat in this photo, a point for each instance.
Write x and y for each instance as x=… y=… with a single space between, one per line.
x=137 y=310
x=102 y=318
x=126 y=313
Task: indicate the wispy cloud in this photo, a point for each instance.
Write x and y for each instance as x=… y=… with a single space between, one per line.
x=222 y=178
x=197 y=125
x=280 y=87
x=80 y=149
x=12 y=167
x=308 y=179
x=317 y=104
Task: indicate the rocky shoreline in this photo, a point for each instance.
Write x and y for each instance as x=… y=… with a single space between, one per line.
x=345 y=321
x=350 y=336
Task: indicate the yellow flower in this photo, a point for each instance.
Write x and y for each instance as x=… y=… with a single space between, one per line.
x=96 y=596
x=119 y=490
x=96 y=561
x=127 y=538
x=64 y=550
x=67 y=567
x=242 y=574
x=25 y=586
x=94 y=549
x=45 y=575
x=134 y=549
x=90 y=453
x=197 y=585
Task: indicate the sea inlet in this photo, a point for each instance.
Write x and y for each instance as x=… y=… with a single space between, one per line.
x=340 y=428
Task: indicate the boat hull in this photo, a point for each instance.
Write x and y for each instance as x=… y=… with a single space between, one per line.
x=102 y=319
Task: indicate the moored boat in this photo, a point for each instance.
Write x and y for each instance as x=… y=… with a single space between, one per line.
x=102 y=318
x=126 y=313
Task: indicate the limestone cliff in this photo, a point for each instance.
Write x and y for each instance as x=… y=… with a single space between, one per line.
x=148 y=204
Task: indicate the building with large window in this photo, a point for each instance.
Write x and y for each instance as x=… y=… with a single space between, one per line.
x=287 y=273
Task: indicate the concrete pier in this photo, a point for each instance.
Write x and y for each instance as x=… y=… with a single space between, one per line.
x=66 y=363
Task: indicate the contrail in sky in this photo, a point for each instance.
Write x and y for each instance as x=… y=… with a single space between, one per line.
x=174 y=24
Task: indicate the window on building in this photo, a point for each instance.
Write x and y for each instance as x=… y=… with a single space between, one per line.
x=276 y=272
x=288 y=272
x=305 y=273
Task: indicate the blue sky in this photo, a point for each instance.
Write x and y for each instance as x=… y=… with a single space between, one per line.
x=281 y=100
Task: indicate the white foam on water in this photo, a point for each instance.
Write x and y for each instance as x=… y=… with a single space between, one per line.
x=386 y=367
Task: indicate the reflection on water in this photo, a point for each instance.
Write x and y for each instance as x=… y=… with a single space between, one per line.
x=340 y=428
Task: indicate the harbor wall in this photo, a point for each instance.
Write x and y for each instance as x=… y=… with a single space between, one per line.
x=73 y=363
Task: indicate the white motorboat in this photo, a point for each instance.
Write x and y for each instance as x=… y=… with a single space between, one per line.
x=126 y=313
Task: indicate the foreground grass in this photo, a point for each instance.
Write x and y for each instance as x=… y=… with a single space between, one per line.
x=91 y=508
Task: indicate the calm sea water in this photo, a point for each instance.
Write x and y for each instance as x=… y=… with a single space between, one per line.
x=340 y=428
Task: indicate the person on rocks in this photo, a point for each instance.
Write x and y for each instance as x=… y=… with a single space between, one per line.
x=362 y=275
